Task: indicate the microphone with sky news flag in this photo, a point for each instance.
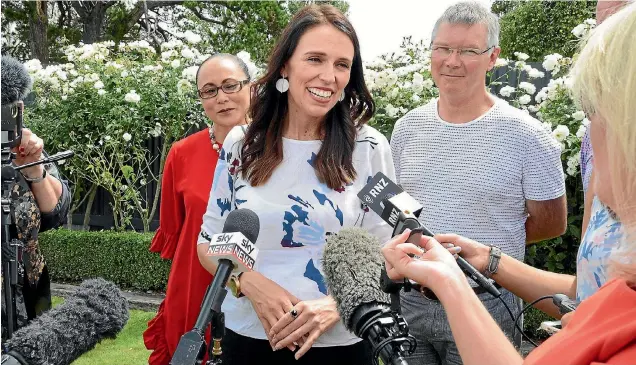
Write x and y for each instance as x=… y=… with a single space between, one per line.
x=234 y=252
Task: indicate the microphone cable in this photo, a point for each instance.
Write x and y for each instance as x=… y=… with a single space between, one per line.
x=516 y=319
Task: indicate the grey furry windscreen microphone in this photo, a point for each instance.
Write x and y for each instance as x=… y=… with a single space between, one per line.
x=352 y=263
x=96 y=310
x=16 y=82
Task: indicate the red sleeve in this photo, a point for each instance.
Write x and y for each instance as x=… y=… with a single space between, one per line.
x=171 y=212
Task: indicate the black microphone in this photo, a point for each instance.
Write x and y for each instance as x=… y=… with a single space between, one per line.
x=400 y=211
x=233 y=251
x=564 y=303
x=352 y=262
x=96 y=310
x=16 y=82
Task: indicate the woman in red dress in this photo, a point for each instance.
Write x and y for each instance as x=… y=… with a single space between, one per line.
x=223 y=84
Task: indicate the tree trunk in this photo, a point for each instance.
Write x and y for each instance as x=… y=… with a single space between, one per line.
x=94 y=23
x=162 y=162
x=89 y=207
x=38 y=30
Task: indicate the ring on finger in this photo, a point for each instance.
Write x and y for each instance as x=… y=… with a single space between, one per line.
x=294 y=313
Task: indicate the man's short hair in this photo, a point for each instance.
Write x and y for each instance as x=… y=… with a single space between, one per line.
x=471 y=13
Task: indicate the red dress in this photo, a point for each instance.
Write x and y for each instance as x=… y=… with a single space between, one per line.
x=186 y=183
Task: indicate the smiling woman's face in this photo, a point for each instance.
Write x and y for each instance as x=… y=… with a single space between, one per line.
x=456 y=74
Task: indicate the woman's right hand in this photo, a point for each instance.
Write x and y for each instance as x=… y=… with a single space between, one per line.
x=269 y=300
x=477 y=254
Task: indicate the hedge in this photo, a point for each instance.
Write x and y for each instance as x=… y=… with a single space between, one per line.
x=120 y=257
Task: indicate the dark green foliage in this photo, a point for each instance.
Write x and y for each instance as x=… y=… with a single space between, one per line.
x=540 y=28
x=120 y=257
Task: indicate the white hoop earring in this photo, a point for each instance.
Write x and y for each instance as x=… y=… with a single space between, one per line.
x=282 y=85
x=341 y=98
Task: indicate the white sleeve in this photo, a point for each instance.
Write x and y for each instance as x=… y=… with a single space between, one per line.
x=397 y=144
x=381 y=162
x=221 y=194
x=542 y=177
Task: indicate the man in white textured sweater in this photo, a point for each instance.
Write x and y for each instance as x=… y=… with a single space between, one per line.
x=480 y=167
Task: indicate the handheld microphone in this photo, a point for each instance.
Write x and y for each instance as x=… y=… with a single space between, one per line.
x=233 y=251
x=400 y=211
x=352 y=263
x=564 y=303
x=96 y=310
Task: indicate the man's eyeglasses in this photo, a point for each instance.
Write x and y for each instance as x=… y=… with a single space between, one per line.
x=464 y=53
x=229 y=87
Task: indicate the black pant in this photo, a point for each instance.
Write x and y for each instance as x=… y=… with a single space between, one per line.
x=239 y=350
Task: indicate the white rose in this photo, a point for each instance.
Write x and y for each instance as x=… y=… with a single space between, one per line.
x=107 y=138
x=124 y=73
x=101 y=92
x=521 y=56
x=561 y=132
x=535 y=74
x=428 y=83
x=416 y=98
x=572 y=171
x=132 y=97
x=394 y=92
x=33 y=65
x=525 y=99
x=98 y=85
x=533 y=108
x=127 y=137
x=244 y=56
x=581 y=132
x=391 y=111
x=541 y=96
x=579 y=30
x=506 y=91
x=167 y=54
x=192 y=37
x=418 y=87
x=392 y=78
x=527 y=87
x=418 y=78
x=551 y=62
x=190 y=73
x=64 y=97
x=501 y=62
x=175 y=63
x=578 y=115
x=187 y=53
x=585 y=122
x=184 y=86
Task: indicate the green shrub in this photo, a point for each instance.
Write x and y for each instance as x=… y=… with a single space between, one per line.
x=120 y=257
x=540 y=28
x=532 y=320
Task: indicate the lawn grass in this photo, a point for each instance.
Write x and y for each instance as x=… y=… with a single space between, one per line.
x=127 y=348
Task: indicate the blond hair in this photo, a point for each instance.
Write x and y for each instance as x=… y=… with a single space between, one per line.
x=604 y=83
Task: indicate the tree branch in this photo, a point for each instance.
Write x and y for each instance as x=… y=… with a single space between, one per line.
x=200 y=15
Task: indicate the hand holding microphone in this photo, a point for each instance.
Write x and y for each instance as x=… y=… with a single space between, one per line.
x=426 y=262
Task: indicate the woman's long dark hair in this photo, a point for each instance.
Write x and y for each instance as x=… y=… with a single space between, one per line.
x=262 y=151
